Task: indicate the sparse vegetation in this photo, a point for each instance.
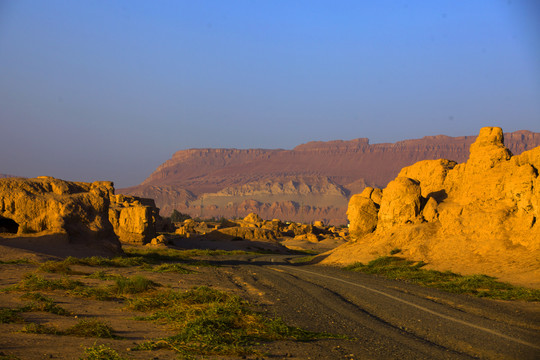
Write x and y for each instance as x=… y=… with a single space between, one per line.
x=33 y=282
x=43 y=303
x=91 y=328
x=212 y=322
x=101 y=352
x=8 y=316
x=303 y=259
x=102 y=275
x=58 y=267
x=177 y=268
x=84 y=328
x=133 y=285
x=15 y=261
x=398 y=268
x=34 y=328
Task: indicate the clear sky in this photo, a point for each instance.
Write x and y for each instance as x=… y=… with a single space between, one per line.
x=109 y=90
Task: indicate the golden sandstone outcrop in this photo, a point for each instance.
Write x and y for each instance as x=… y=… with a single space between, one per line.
x=135 y=220
x=74 y=211
x=480 y=216
x=78 y=212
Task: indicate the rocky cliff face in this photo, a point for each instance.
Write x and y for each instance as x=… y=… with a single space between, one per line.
x=222 y=182
x=480 y=216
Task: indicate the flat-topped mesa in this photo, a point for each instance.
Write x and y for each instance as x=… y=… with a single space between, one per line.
x=480 y=216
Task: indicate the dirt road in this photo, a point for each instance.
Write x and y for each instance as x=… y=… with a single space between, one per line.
x=384 y=319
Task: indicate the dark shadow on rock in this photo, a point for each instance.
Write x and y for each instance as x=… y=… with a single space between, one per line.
x=439 y=196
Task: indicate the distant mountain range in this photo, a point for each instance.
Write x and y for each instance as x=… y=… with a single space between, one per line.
x=310 y=182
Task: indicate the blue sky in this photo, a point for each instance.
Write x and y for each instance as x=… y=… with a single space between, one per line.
x=108 y=90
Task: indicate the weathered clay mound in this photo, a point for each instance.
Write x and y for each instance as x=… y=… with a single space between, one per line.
x=480 y=216
x=45 y=210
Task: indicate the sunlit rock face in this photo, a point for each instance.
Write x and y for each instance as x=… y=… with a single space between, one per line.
x=43 y=206
x=135 y=220
x=478 y=216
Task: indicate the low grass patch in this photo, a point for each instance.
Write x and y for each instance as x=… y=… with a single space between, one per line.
x=118 y=261
x=91 y=328
x=102 y=275
x=9 y=316
x=33 y=282
x=398 y=268
x=34 y=328
x=15 y=261
x=101 y=352
x=303 y=259
x=43 y=303
x=176 y=268
x=133 y=285
x=84 y=328
x=212 y=322
x=122 y=286
x=187 y=257
x=58 y=267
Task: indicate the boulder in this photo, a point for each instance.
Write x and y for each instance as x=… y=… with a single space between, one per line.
x=160 y=240
x=135 y=220
x=375 y=194
x=430 y=212
x=400 y=203
x=45 y=205
x=362 y=214
x=430 y=174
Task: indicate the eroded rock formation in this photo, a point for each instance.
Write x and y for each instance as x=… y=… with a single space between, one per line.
x=480 y=216
x=135 y=220
x=75 y=211
x=80 y=212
